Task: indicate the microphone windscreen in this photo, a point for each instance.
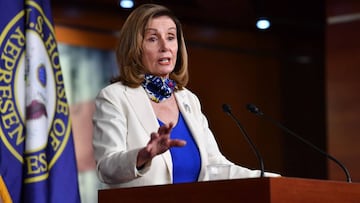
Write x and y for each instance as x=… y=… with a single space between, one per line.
x=226 y=108
x=253 y=109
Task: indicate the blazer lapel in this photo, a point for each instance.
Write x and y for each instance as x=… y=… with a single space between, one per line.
x=141 y=105
x=190 y=118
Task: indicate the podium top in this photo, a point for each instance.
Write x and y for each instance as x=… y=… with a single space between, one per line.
x=252 y=190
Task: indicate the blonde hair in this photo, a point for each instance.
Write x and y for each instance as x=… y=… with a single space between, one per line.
x=129 y=48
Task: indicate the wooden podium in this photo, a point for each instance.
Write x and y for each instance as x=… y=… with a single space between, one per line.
x=253 y=190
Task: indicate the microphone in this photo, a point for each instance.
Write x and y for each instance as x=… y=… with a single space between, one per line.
x=227 y=109
x=255 y=110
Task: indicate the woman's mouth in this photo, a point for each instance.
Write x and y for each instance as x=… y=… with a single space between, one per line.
x=164 y=61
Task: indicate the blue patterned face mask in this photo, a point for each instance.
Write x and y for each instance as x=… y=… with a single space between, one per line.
x=158 y=89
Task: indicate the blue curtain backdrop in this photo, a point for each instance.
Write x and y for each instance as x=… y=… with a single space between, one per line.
x=37 y=158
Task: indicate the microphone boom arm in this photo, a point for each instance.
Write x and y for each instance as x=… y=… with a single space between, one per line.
x=253 y=109
x=227 y=110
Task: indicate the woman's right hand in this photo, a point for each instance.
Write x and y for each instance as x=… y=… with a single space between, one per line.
x=159 y=143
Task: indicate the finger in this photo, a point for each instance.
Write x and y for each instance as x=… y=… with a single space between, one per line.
x=161 y=129
x=154 y=136
x=177 y=143
x=168 y=126
x=165 y=129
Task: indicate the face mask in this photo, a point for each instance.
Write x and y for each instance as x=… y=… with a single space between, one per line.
x=158 y=88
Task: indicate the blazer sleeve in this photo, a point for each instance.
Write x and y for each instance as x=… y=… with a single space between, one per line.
x=114 y=163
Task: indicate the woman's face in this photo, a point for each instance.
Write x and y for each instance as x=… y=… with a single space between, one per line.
x=160 y=46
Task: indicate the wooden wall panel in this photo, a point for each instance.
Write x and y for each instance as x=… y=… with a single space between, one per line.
x=85 y=38
x=237 y=78
x=343 y=85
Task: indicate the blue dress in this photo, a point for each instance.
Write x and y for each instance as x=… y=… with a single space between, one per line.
x=186 y=160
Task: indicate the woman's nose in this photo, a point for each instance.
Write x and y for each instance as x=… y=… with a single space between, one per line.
x=164 y=45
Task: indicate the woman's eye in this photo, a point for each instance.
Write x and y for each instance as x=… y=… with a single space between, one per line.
x=152 y=39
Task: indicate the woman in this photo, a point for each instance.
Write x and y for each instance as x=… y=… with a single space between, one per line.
x=148 y=128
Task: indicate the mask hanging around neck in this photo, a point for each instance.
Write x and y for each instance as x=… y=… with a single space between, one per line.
x=158 y=88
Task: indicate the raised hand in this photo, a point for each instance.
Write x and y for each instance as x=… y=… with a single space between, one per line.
x=159 y=143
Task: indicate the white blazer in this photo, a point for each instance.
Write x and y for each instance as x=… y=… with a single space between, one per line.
x=123 y=122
